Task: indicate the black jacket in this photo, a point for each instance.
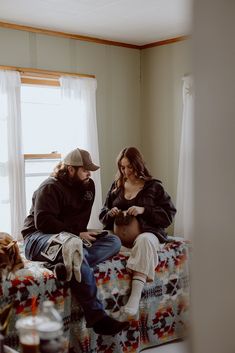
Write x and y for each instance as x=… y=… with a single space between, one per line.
x=159 y=209
x=57 y=206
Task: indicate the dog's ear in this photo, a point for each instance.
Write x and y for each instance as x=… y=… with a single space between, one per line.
x=12 y=243
x=10 y=260
x=13 y=252
x=18 y=262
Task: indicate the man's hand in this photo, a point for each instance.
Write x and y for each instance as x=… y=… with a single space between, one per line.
x=113 y=212
x=90 y=236
x=135 y=210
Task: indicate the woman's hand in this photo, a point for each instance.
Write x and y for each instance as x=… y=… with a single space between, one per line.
x=113 y=212
x=135 y=210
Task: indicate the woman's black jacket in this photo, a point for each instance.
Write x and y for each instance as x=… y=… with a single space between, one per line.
x=159 y=209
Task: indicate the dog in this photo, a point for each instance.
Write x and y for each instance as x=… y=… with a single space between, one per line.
x=10 y=259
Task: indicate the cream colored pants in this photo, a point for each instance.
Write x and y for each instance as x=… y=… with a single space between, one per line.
x=144 y=255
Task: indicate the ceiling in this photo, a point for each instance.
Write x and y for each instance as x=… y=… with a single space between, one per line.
x=138 y=22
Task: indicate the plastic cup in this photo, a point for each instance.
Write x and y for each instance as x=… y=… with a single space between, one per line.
x=28 y=333
x=51 y=334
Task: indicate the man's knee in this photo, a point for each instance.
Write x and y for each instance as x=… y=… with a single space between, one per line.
x=115 y=242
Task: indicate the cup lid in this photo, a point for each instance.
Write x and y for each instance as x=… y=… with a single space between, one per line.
x=29 y=322
x=49 y=329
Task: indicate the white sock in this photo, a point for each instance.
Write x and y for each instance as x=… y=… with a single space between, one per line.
x=132 y=305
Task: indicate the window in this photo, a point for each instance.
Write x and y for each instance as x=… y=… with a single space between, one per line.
x=43 y=126
x=37 y=168
x=48 y=126
x=39 y=121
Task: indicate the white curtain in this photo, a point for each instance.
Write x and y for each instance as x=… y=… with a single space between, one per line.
x=79 y=96
x=12 y=184
x=184 y=199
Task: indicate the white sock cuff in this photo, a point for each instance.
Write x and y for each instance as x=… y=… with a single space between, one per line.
x=139 y=278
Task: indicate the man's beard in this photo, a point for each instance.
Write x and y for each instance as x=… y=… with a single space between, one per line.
x=78 y=183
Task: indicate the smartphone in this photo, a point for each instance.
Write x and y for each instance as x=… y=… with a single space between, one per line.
x=86 y=243
x=101 y=234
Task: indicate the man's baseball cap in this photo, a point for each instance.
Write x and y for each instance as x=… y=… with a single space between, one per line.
x=80 y=158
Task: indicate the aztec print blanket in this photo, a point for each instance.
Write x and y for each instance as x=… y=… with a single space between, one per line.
x=163 y=314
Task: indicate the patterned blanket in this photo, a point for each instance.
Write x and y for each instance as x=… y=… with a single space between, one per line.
x=163 y=313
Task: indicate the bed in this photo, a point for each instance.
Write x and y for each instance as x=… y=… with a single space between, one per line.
x=163 y=314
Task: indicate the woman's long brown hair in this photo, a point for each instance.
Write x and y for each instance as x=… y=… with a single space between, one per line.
x=137 y=162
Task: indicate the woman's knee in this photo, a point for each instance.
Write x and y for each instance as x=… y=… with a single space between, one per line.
x=148 y=239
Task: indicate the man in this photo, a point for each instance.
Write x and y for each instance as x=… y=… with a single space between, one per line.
x=63 y=203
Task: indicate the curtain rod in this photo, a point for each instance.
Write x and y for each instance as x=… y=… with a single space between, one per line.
x=25 y=71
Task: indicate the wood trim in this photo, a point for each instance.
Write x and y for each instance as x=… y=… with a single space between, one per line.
x=42 y=156
x=89 y=39
x=164 y=42
x=66 y=35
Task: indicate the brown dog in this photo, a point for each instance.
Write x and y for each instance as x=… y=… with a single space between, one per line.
x=10 y=259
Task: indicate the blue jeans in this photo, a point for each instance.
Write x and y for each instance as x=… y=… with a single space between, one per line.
x=86 y=290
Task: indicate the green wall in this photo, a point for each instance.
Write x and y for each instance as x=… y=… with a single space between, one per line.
x=117 y=71
x=139 y=94
x=162 y=69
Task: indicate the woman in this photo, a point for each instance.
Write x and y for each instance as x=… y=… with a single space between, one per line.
x=138 y=210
